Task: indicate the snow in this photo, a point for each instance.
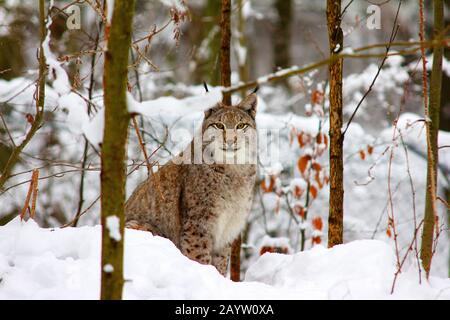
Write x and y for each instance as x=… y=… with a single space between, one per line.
x=336 y=273
x=276 y=156
x=77 y=111
x=38 y=263
x=113 y=226
x=429 y=65
x=110 y=10
x=280 y=242
x=61 y=83
x=298 y=182
x=163 y=106
x=249 y=12
x=108 y=268
x=280 y=73
x=174 y=106
x=93 y=129
x=241 y=54
x=177 y=4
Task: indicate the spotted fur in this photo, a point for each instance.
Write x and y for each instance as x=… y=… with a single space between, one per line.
x=203 y=207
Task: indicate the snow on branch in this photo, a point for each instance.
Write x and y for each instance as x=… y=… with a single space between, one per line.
x=410 y=48
x=93 y=129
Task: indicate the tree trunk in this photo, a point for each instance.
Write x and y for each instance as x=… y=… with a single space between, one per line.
x=282 y=34
x=242 y=45
x=225 y=32
x=444 y=116
x=432 y=132
x=207 y=25
x=235 y=260
x=336 y=213
x=113 y=171
x=225 y=81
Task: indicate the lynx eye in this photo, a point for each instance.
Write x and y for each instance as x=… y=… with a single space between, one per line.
x=241 y=126
x=219 y=126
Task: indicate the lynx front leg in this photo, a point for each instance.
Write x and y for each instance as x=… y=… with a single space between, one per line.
x=196 y=243
x=220 y=259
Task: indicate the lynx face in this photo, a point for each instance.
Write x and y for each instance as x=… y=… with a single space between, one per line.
x=229 y=133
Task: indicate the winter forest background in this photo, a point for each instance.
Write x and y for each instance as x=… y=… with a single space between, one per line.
x=174 y=51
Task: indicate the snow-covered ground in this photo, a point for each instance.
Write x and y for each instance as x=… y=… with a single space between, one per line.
x=37 y=263
x=57 y=150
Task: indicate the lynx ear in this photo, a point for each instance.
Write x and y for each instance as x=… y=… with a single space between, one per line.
x=249 y=104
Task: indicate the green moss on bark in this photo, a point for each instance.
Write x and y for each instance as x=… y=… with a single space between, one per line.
x=113 y=156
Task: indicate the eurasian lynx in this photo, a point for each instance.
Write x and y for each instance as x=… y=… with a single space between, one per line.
x=201 y=205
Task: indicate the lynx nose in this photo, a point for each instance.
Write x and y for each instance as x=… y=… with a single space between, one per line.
x=230 y=144
x=230 y=140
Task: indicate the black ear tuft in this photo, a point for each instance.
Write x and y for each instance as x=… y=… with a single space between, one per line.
x=206 y=86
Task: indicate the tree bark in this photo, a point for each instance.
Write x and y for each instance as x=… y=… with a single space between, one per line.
x=336 y=213
x=235 y=260
x=113 y=155
x=207 y=22
x=432 y=132
x=225 y=32
x=242 y=59
x=225 y=81
x=282 y=34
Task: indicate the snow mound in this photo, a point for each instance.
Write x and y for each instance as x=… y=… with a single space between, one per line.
x=37 y=263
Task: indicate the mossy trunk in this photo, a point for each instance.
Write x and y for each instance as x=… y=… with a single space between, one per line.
x=336 y=211
x=113 y=153
x=433 y=113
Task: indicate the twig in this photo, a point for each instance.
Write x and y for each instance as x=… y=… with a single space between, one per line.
x=413 y=193
x=142 y=56
x=34 y=185
x=86 y=143
x=427 y=233
x=444 y=202
x=391 y=216
x=36 y=124
x=58 y=175
x=70 y=223
x=388 y=47
x=7 y=130
x=346 y=7
x=27 y=199
x=291 y=212
x=289 y=72
x=141 y=144
x=153 y=32
x=414 y=240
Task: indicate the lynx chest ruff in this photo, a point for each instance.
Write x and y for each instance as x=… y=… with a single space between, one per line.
x=232 y=210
